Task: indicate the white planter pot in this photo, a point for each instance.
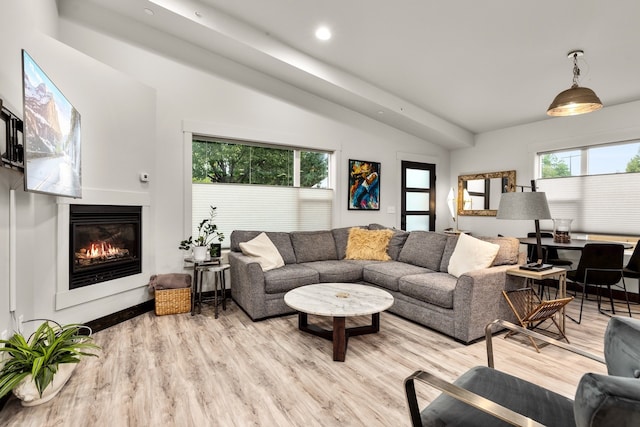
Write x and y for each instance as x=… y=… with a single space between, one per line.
x=27 y=392
x=200 y=253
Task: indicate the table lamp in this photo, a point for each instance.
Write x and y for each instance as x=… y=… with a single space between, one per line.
x=527 y=205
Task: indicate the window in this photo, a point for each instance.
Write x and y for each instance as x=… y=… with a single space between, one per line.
x=596 y=160
x=594 y=186
x=259 y=186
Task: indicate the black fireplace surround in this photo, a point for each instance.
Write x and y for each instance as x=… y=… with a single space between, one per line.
x=105 y=243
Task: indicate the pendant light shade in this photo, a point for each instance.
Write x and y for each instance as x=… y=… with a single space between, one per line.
x=575 y=100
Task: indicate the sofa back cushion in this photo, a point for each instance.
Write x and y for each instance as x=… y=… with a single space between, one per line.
x=449 y=247
x=280 y=239
x=312 y=246
x=341 y=237
x=424 y=248
x=508 y=252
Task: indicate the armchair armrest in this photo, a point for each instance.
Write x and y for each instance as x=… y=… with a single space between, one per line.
x=459 y=393
x=528 y=332
x=479 y=402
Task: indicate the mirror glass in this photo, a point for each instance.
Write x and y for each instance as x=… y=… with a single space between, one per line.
x=479 y=194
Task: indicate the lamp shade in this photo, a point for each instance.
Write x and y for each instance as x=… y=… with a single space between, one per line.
x=521 y=205
x=574 y=101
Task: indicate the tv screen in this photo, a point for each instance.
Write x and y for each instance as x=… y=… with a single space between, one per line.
x=51 y=135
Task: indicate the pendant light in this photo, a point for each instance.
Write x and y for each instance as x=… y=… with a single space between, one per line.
x=575 y=100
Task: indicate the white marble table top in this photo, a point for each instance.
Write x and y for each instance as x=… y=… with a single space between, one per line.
x=338 y=299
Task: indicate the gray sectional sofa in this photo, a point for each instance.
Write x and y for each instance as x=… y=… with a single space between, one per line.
x=416 y=276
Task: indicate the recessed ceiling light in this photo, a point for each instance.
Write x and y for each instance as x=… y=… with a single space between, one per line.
x=323 y=33
x=148 y=11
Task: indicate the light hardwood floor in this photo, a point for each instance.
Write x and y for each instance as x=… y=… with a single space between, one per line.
x=179 y=370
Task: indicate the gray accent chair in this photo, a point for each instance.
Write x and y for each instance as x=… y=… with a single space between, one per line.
x=484 y=396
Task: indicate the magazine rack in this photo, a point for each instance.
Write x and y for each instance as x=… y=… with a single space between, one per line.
x=531 y=311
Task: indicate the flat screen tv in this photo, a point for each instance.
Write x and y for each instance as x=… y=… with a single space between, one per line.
x=51 y=135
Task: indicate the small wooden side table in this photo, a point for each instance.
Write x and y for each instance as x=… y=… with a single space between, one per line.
x=553 y=273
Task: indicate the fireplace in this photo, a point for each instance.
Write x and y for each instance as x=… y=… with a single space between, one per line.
x=105 y=243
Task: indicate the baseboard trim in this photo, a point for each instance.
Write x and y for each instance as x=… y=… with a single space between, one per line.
x=131 y=312
x=121 y=316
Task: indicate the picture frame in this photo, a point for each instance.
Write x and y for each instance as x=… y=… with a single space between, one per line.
x=363 y=192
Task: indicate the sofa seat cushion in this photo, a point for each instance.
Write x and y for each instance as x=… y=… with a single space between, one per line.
x=336 y=271
x=432 y=288
x=424 y=249
x=289 y=277
x=314 y=245
x=387 y=274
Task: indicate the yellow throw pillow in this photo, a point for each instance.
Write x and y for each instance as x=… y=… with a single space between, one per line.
x=368 y=244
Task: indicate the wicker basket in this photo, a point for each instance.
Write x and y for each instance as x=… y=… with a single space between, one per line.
x=173 y=301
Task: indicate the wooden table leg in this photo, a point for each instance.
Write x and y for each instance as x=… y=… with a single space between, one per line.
x=340 y=338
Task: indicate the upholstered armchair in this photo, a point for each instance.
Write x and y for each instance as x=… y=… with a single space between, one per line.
x=484 y=396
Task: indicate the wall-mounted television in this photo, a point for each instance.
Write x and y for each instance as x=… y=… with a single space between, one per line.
x=51 y=135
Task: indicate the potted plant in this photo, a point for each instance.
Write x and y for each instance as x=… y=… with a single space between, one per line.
x=207 y=232
x=35 y=369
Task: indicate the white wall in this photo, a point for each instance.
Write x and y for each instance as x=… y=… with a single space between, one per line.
x=516 y=147
x=118 y=131
x=18 y=21
x=132 y=121
x=237 y=102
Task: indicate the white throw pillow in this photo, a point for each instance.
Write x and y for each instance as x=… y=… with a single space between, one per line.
x=265 y=252
x=471 y=254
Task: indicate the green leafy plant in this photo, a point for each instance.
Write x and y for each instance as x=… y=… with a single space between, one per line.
x=40 y=355
x=207 y=232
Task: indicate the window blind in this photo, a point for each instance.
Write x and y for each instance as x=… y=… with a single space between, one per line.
x=606 y=204
x=260 y=207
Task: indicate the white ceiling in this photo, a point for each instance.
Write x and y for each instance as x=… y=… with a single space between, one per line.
x=440 y=70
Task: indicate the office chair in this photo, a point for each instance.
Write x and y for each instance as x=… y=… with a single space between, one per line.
x=600 y=265
x=632 y=270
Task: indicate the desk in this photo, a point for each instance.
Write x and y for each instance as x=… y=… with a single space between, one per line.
x=574 y=244
x=552 y=273
x=199 y=267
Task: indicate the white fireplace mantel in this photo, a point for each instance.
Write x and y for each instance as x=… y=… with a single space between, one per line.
x=68 y=298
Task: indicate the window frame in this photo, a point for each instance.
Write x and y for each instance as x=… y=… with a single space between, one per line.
x=585 y=151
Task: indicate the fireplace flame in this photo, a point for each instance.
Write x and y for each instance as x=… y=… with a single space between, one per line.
x=101 y=251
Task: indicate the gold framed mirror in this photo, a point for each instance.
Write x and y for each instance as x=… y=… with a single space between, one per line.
x=479 y=194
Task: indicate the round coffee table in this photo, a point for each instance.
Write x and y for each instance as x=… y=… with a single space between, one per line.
x=338 y=300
